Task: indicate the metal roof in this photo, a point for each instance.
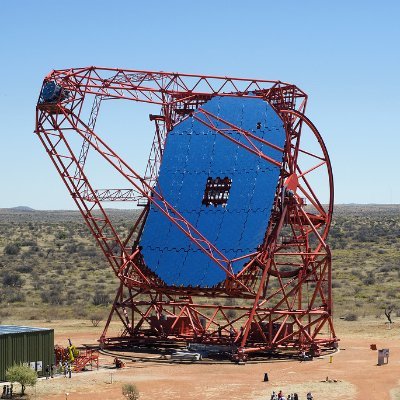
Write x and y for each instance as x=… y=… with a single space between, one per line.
x=11 y=329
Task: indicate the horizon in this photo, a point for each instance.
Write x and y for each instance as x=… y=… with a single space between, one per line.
x=28 y=208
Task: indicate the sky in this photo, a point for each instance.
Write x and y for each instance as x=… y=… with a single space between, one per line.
x=344 y=55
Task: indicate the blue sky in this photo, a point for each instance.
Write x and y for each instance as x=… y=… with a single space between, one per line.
x=345 y=55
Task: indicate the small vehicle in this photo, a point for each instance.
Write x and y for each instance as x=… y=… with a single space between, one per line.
x=186 y=355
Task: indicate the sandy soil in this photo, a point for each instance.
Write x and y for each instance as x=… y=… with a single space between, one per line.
x=354 y=368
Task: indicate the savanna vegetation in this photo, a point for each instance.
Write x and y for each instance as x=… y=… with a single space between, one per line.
x=365 y=243
x=50 y=265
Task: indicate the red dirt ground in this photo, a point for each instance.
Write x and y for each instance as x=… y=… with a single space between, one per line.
x=353 y=367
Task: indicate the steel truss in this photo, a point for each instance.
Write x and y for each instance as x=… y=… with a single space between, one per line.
x=282 y=298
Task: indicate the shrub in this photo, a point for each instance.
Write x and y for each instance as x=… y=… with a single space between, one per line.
x=130 y=391
x=351 y=317
x=12 y=279
x=391 y=293
x=357 y=289
x=21 y=374
x=101 y=299
x=356 y=273
x=33 y=249
x=95 y=319
x=5 y=314
x=369 y=280
x=15 y=296
x=84 y=275
x=61 y=235
x=27 y=242
x=52 y=297
x=12 y=249
x=88 y=253
x=25 y=269
x=80 y=311
x=71 y=248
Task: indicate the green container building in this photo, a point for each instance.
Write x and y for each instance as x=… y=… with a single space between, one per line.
x=26 y=345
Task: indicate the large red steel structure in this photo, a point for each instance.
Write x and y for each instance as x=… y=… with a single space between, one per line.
x=281 y=298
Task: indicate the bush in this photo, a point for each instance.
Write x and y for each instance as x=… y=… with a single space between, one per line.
x=95 y=319
x=15 y=296
x=33 y=249
x=130 y=391
x=12 y=249
x=356 y=273
x=4 y=314
x=369 y=280
x=25 y=269
x=52 y=296
x=26 y=243
x=61 y=235
x=21 y=374
x=71 y=248
x=80 y=311
x=12 y=279
x=101 y=299
x=84 y=275
x=351 y=317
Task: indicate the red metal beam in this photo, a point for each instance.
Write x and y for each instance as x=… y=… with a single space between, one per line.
x=268 y=318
